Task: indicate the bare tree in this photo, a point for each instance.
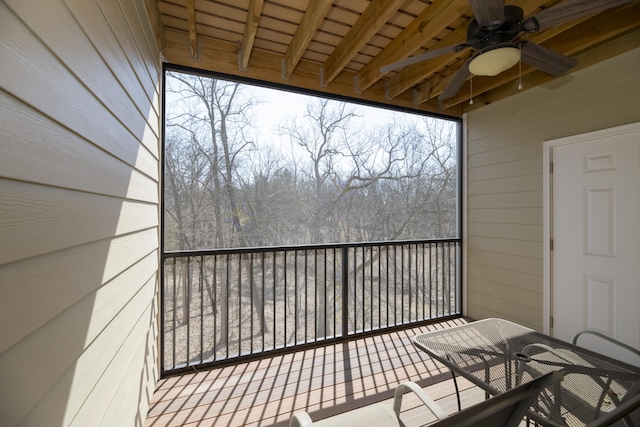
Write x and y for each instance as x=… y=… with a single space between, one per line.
x=220 y=108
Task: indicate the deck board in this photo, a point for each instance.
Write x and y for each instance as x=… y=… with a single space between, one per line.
x=323 y=381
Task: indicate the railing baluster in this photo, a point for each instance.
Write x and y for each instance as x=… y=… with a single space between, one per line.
x=444 y=294
x=387 y=281
x=186 y=306
x=430 y=281
x=417 y=274
x=274 y=299
x=315 y=295
x=363 y=290
x=395 y=285
x=424 y=279
x=306 y=296
x=408 y=250
x=449 y=276
x=284 y=275
x=379 y=286
x=295 y=296
x=370 y=249
x=251 y=284
x=333 y=315
x=437 y=283
x=173 y=362
x=240 y=304
x=324 y=293
x=200 y=285
x=228 y=297
x=214 y=308
x=264 y=301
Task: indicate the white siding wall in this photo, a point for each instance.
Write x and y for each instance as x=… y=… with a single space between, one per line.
x=79 y=172
x=505 y=182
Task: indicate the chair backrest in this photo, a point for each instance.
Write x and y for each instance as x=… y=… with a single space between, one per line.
x=506 y=409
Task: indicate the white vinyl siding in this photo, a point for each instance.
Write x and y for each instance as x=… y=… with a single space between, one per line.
x=504 y=203
x=79 y=209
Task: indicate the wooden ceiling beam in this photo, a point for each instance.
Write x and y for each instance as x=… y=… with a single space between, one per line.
x=411 y=75
x=250 y=30
x=589 y=32
x=191 y=24
x=426 y=26
x=311 y=20
x=372 y=19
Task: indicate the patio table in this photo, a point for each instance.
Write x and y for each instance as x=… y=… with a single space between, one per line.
x=496 y=355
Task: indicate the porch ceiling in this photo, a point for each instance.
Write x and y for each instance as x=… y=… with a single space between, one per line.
x=338 y=46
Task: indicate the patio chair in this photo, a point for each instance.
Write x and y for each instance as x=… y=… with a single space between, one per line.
x=506 y=409
x=603 y=394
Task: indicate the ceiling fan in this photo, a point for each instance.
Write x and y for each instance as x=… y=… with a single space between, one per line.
x=495 y=35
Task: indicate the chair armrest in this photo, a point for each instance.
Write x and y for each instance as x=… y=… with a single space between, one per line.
x=429 y=403
x=301 y=419
x=574 y=340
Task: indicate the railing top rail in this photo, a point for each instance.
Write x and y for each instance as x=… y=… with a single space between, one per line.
x=208 y=252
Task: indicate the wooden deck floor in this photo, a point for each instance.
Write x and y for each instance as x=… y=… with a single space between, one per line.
x=323 y=381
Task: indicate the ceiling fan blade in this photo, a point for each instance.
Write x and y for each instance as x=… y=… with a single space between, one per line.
x=567 y=11
x=547 y=60
x=456 y=82
x=422 y=57
x=488 y=12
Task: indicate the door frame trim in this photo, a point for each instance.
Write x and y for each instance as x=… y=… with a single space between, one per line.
x=547 y=206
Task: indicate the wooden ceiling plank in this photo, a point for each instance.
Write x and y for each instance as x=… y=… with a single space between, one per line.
x=435 y=18
x=300 y=5
x=372 y=19
x=223 y=11
x=250 y=30
x=585 y=33
x=411 y=75
x=170 y=9
x=313 y=17
x=357 y=6
x=170 y=22
x=191 y=24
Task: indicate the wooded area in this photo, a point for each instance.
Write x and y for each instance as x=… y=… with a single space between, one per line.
x=333 y=176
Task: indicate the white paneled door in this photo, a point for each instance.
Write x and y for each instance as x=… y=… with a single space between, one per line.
x=595 y=227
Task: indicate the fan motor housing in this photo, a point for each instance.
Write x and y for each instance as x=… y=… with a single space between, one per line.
x=480 y=37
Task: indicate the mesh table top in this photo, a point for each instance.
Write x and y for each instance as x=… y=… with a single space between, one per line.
x=497 y=355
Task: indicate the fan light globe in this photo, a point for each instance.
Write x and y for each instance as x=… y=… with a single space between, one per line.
x=494 y=61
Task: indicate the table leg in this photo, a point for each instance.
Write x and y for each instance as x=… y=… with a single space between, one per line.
x=455 y=384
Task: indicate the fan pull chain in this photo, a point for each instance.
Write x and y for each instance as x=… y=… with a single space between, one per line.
x=471 y=84
x=520 y=68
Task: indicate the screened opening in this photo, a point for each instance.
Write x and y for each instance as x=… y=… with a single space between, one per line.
x=294 y=220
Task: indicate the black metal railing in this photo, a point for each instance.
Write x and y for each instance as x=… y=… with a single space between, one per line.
x=236 y=303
